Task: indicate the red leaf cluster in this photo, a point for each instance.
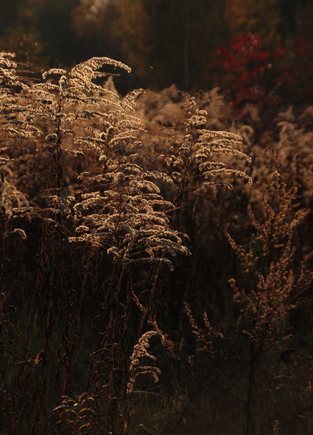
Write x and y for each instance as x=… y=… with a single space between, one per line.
x=252 y=69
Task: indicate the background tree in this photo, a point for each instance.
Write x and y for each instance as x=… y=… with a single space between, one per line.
x=53 y=24
x=247 y=16
x=290 y=11
x=18 y=34
x=94 y=24
x=172 y=42
x=9 y=15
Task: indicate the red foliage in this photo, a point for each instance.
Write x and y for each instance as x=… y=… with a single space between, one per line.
x=252 y=72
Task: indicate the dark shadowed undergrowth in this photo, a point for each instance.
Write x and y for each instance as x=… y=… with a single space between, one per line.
x=147 y=285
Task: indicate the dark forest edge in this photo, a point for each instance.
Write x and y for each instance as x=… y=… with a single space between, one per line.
x=166 y=43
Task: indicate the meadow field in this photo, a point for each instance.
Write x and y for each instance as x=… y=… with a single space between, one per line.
x=156 y=257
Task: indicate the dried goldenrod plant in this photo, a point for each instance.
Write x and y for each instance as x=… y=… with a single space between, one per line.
x=227 y=360
x=272 y=284
x=105 y=235
x=194 y=161
x=140 y=351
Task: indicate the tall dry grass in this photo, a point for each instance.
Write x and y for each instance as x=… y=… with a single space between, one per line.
x=103 y=200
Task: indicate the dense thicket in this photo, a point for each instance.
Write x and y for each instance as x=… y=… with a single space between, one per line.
x=129 y=222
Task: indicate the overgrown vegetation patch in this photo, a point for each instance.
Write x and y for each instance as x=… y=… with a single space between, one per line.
x=156 y=260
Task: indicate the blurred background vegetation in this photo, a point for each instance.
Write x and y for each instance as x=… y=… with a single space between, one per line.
x=164 y=42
